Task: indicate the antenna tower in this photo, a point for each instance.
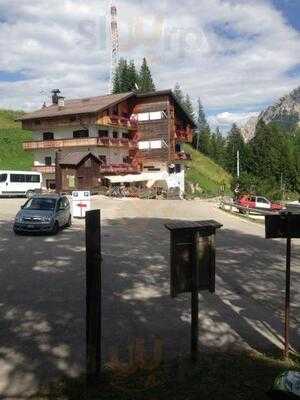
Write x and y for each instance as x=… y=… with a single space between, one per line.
x=114 y=39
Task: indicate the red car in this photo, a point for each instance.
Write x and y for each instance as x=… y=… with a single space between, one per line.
x=258 y=202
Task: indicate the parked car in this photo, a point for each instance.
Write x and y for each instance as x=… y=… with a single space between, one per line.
x=43 y=214
x=258 y=202
x=20 y=183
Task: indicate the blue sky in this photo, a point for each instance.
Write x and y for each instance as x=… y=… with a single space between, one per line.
x=290 y=10
x=236 y=55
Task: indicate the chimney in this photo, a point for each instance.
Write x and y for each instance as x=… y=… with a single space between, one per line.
x=55 y=97
x=61 y=102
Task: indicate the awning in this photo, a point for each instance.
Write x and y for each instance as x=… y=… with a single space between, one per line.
x=143 y=177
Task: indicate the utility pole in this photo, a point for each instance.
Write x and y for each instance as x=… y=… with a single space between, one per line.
x=238 y=163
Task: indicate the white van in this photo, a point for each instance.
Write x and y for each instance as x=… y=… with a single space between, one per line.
x=20 y=183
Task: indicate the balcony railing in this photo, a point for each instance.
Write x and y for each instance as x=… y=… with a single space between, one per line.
x=82 y=142
x=182 y=156
x=104 y=169
x=44 y=169
x=118 y=121
x=184 y=135
x=118 y=168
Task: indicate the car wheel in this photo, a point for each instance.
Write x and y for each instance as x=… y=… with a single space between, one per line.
x=55 y=229
x=69 y=223
x=16 y=232
x=29 y=194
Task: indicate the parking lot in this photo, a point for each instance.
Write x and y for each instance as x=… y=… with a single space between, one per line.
x=42 y=290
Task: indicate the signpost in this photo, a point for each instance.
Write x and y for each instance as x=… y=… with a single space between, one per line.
x=193 y=265
x=287 y=226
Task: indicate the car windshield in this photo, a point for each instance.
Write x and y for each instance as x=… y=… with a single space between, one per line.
x=37 y=203
x=3 y=177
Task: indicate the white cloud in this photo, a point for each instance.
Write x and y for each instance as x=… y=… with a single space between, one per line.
x=232 y=54
x=225 y=120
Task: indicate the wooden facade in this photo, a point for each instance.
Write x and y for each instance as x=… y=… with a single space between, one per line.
x=121 y=112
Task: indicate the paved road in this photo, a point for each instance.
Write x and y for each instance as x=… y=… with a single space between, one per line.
x=42 y=291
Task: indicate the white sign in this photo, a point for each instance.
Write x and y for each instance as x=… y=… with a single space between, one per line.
x=81 y=203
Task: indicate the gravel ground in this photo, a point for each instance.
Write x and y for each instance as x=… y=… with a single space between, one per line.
x=42 y=291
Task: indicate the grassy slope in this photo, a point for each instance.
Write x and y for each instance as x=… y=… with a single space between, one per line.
x=209 y=176
x=12 y=155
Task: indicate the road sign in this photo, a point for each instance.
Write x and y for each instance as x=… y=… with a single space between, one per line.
x=81 y=203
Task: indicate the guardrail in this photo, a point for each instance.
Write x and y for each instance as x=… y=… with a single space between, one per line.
x=245 y=210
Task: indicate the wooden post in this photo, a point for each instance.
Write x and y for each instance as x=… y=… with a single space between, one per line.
x=287 y=289
x=58 y=173
x=93 y=294
x=195 y=300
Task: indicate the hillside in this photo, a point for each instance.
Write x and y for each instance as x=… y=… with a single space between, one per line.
x=12 y=155
x=205 y=174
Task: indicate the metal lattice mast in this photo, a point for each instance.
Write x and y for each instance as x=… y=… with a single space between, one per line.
x=114 y=44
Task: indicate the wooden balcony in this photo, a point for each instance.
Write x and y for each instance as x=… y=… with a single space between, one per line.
x=44 y=169
x=184 y=135
x=182 y=156
x=119 y=169
x=104 y=169
x=118 y=122
x=82 y=142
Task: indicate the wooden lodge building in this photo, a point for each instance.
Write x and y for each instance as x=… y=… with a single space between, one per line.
x=83 y=144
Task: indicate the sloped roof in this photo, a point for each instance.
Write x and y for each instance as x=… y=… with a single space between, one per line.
x=74 y=158
x=78 y=106
x=97 y=104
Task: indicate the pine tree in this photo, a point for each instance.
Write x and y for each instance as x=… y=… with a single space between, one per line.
x=220 y=147
x=123 y=76
x=204 y=141
x=235 y=143
x=146 y=83
x=202 y=130
x=178 y=94
x=132 y=77
x=121 y=81
x=188 y=107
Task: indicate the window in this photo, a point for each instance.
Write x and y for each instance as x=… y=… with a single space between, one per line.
x=16 y=178
x=48 y=161
x=151 y=116
x=155 y=144
x=126 y=160
x=125 y=135
x=83 y=133
x=48 y=136
x=115 y=135
x=103 y=134
x=103 y=160
x=155 y=115
x=177 y=168
x=143 y=117
x=178 y=148
x=3 y=177
x=32 y=178
x=143 y=145
x=262 y=200
x=37 y=122
x=150 y=145
x=38 y=203
x=72 y=119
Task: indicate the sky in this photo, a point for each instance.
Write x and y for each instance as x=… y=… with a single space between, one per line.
x=237 y=56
